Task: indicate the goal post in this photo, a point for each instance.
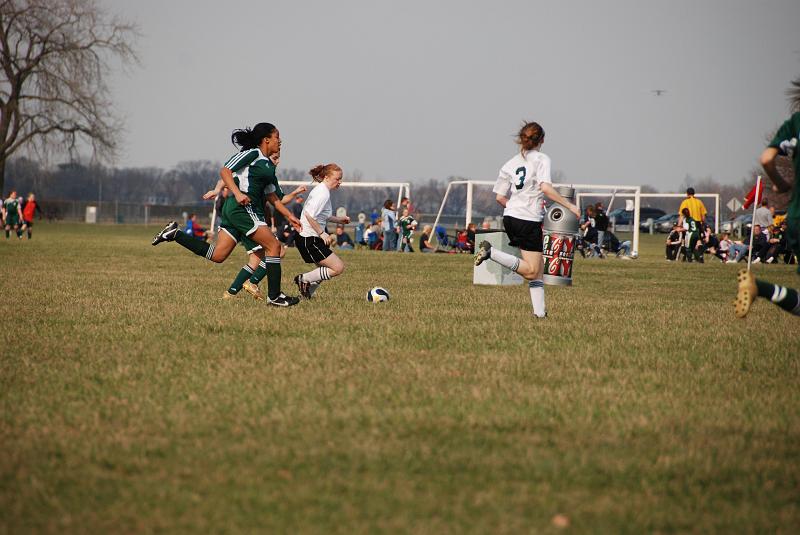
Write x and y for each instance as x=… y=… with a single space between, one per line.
x=634 y=191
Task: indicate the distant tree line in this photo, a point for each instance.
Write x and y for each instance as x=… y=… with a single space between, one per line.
x=187 y=181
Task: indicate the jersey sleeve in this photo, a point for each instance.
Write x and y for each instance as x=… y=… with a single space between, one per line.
x=784 y=133
x=241 y=160
x=543 y=170
x=503 y=184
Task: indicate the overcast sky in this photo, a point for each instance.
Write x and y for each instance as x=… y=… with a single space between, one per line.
x=428 y=89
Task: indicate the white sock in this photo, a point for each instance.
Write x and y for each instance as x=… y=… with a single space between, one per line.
x=504 y=259
x=537 y=297
x=317 y=275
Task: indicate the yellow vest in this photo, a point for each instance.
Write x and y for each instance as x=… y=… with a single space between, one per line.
x=697 y=210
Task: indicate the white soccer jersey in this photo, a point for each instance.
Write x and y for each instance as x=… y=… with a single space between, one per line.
x=318 y=206
x=520 y=180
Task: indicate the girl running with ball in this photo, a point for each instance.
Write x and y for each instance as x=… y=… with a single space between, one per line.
x=520 y=187
x=314 y=242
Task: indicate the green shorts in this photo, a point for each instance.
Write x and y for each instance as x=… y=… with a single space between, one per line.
x=12 y=220
x=240 y=222
x=248 y=244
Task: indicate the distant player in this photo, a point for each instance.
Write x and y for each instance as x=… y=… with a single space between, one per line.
x=785 y=144
x=250 y=176
x=691 y=235
x=28 y=211
x=314 y=242
x=12 y=214
x=522 y=182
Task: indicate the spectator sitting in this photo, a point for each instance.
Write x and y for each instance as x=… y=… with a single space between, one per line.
x=471 y=237
x=613 y=245
x=774 y=242
x=193 y=228
x=343 y=240
x=462 y=244
x=710 y=242
x=374 y=239
x=590 y=233
x=760 y=244
x=441 y=236
x=674 y=241
x=424 y=240
x=724 y=249
x=783 y=246
x=736 y=251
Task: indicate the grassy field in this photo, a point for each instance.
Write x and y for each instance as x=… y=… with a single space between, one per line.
x=134 y=399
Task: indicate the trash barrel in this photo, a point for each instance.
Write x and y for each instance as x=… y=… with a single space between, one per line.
x=560 y=232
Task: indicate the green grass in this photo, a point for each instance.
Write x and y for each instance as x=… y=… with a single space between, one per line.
x=133 y=399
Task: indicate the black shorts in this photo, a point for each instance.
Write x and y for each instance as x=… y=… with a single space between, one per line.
x=527 y=235
x=312 y=249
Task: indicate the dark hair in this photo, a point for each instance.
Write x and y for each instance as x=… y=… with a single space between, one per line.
x=248 y=139
x=794 y=95
x=685 y=212
x=764 y=202
x=388 y=204
x=320 y=172
x=530 y=136
x=590 y=210
x=689 y=191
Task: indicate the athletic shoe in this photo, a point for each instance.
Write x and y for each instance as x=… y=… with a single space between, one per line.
x=302 y=286
x=770 y=260
x=748 y=291
x=284 y=300
x=253 y=290
x=757 y=260
x=167 y=233
x=227 y=295
x=484 y=252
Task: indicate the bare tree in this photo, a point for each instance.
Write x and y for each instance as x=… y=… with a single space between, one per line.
x=55 y=55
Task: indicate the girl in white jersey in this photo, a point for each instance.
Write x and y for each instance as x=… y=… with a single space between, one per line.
x=523 y=183
x=313 y=242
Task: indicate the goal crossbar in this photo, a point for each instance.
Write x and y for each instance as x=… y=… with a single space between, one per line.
x=404 y=188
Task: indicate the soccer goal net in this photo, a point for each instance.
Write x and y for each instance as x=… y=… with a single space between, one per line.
x=582 y=190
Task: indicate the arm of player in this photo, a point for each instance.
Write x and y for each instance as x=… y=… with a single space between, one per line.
x=290 y=196
x=273 y=199
x=212 y=193
x=551 y=193
x=337 y=220
x=327 y=238
x=227 y=179
x=768 y=158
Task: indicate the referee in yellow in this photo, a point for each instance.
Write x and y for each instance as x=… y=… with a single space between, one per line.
x=697 y=210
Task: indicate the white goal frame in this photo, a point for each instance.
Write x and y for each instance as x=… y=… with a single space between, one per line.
x=403 y=187
x=635 y=192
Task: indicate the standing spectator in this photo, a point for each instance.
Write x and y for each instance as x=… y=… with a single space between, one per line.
x=697 y=210
x=425 y=244
x=28 y=210
x=763 y=216
x=589 y=228
x=600 y=223
x=389 y=226
x=673 y=243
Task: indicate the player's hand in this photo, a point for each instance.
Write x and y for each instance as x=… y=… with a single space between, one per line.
x=346 y=220
x=210 y=194
x=242 y=199
x=299 y=190
x=574 y=209
x=298 y=226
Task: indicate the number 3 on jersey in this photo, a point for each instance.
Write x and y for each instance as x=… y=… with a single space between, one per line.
x=520 y=177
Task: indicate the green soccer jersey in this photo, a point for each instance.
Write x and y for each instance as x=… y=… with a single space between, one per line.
x=254 y=175
x=12 y=207
x=790 y=130
x=691 y=225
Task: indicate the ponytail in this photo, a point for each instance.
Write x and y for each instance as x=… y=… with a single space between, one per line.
x=247 y=139
x=320 y=172
x=530 y=136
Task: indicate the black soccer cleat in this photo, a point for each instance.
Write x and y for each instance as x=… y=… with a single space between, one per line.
x=303 y=287
x=167 y=233
x=284 y=300
x=483 y=253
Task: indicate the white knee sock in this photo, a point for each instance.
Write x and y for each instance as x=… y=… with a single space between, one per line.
x=504 y=259
x=316 y=275
x=537 y=297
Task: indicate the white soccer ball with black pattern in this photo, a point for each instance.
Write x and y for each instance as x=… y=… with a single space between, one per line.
x=377 y=295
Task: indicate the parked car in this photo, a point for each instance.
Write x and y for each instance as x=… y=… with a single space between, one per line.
x=664 y=223
x=732 y=225
x=620 y=216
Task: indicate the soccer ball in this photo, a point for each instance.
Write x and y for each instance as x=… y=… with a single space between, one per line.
x=377 y=295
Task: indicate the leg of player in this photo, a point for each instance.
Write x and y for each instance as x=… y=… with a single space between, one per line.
x=8 y=231
x=331 y=266
x=259 y=271
x=272 y=267
x=216 y=252
x=244 y=274
x=530 y=267
x=750 y=288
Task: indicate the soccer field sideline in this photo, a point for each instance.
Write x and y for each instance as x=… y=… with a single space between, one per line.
x=135 y=399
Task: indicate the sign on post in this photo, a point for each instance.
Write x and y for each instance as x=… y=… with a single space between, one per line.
x=734 y=205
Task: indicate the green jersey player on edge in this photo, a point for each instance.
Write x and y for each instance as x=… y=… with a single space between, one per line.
x=785 y=144
x=250 y=176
